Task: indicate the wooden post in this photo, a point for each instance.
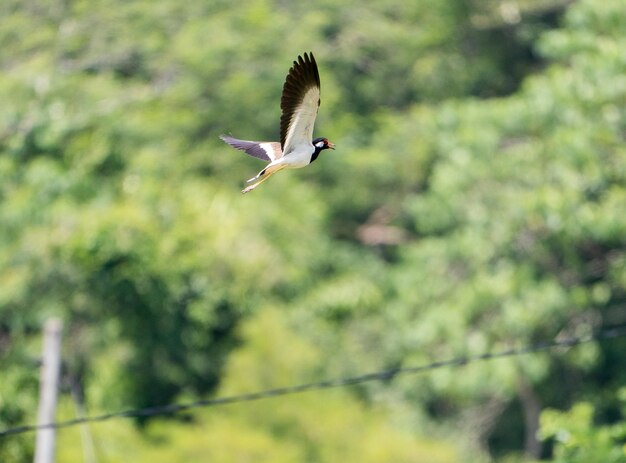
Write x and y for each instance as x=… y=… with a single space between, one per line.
x=48 y=390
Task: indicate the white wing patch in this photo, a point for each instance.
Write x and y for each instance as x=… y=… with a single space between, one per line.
x=269 y=149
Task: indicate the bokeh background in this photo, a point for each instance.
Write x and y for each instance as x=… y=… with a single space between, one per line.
x=476 y=202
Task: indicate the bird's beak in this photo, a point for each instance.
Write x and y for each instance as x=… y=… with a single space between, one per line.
x=331 y=145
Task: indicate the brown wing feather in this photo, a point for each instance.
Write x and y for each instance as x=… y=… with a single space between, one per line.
x=301 y=79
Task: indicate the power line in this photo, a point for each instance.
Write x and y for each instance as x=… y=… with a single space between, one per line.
x=381 y=375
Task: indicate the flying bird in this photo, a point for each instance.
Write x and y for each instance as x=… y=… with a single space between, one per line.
x=299 y=104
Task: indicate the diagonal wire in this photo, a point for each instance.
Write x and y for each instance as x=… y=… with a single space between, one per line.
x=381 y=375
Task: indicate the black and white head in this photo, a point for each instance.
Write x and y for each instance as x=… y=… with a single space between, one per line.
x=322 y=144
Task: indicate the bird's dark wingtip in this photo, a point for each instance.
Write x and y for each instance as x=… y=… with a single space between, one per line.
x=306 y=57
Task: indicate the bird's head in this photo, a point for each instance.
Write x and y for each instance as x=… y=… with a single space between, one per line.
x=322 y=144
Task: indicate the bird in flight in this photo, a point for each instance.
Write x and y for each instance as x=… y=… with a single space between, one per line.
x=299 y=104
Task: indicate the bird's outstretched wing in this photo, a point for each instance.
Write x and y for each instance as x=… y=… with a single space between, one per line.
x=266 y=150
x=299 y=103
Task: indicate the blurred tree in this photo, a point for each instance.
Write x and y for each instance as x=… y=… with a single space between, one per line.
x=576 y=439
x=512 y=233
x=447 y=224
x=319 y=426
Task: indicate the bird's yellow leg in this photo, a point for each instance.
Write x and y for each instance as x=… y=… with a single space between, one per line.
x=254 y=185
x=262 y=176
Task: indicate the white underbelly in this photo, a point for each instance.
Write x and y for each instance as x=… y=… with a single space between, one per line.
x=299 y=157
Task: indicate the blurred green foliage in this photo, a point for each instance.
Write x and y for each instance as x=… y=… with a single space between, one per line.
x=577 y=439
x=475 y=203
